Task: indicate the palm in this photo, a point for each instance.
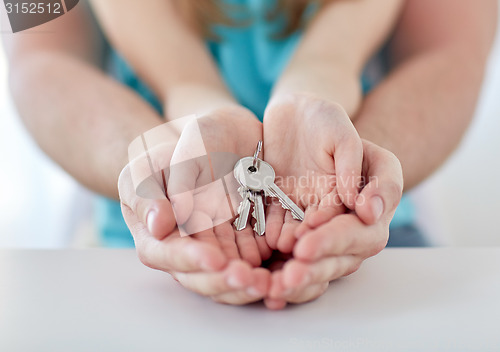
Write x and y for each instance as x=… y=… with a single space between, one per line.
x=304 y=155
x=202 y=188
x=303 y=169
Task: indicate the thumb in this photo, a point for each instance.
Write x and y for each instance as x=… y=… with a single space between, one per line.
x=381 y=195
x=155 y=211
x=181 y=187
x=348 y=162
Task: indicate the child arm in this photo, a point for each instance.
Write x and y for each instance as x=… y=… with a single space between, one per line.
x=166 y=53
x=335 y=47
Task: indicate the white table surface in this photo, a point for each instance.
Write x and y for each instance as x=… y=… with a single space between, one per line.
x=439 y=299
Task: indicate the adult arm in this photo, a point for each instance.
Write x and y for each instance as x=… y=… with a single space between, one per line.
x=335 y=48
x=78 y=115
x=423 y=108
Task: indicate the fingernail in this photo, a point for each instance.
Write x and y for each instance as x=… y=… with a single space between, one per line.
x=252 y=291
x=150 y=219
x=234 y=282
x=377 y=206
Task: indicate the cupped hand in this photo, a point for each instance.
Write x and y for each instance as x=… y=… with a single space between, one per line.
x=335 y=248
x=214 y=260
x=317 y=156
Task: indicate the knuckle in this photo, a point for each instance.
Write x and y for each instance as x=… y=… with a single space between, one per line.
x=394 y=193
x=397 y=164
x=135 y=204
x=124 y=180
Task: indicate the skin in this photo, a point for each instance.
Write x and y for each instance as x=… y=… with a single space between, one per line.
x=407 y=115
x=97 y=109
x=174 y=77
x=62 y=57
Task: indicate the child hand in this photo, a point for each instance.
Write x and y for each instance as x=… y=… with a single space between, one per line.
x=317 y=156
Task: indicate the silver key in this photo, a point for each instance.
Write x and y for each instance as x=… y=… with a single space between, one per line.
x=258 y=213
x=260 y=177
x=254 y=197
x=243 y=210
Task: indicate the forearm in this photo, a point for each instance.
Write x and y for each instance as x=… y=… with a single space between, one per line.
x=423 y=108
x=335 y=48
x=85 y=127
x=324 y=80
x=166 y=53
x=421 y=111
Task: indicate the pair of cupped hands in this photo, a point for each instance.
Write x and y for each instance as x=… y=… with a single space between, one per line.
x=182 y=224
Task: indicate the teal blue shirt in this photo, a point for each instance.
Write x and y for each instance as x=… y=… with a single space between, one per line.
x=250 y=61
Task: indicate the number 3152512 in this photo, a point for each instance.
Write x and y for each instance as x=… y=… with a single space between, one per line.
x=33 y=7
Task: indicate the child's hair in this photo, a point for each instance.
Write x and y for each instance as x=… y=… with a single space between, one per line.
x=201 y=14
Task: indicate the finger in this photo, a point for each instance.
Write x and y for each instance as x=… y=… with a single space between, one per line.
x=279 y=292
x=329 y=207
x=343 y=235
x=287 y=237
x=207 y=236
x=274 y=303
x=155 y=212
x=304 y=225
x=275 y=218
x=149 y=158
x=277 y=289
x=298 y=274
x=252 y=293
x=224 y=233
x=308 y=293
x=236 y=276
x=264 y=249
x=384 y=187
x=198 y=222
x=181 y=186
x=348 y=158
x=248 y=247
x=173 y=253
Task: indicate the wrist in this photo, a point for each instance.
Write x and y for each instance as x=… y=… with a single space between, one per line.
x=304 y=107
x=237 y=119
x=194 y=98
x=233 y=126
x=322 y=80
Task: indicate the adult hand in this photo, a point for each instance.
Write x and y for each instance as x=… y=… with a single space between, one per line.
x=337 y=247
x=212 y=262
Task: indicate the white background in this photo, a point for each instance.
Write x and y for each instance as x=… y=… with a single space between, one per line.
x=42 y=207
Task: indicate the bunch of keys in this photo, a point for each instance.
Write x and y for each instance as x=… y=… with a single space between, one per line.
x=256 y=178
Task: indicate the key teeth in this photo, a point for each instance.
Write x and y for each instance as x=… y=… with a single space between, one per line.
x=284 y=205
x=255 y=227
x=257 y=230
x=236 y=223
